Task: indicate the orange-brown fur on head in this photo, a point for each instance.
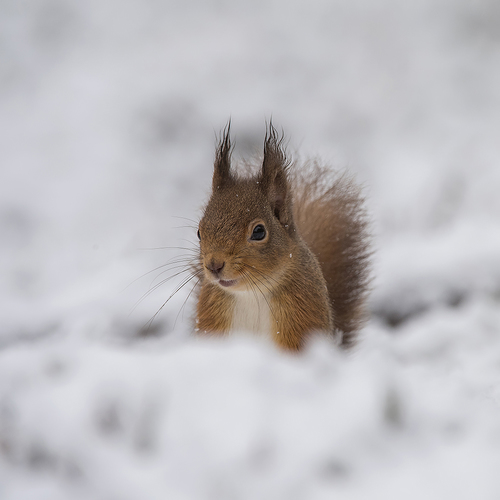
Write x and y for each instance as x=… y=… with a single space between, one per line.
x=259 y=252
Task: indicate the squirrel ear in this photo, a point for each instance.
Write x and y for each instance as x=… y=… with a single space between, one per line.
x=274 y=176
x=222 y=165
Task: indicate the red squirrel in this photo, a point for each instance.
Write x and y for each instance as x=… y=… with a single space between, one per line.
x=284 y=253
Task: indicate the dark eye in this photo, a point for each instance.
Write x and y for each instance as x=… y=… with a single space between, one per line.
x=199 y=236
x=258 y=233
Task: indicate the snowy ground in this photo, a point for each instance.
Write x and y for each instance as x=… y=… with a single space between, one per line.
x=107 y=120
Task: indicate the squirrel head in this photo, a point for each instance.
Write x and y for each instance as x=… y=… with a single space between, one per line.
x=247 y=232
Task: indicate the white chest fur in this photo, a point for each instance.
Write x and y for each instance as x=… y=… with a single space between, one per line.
x=251 y=313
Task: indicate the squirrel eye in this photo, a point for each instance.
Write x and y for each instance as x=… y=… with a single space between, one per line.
x=258 y=233
x=198 y=234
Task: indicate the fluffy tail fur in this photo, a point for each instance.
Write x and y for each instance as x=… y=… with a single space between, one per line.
x=332 y=221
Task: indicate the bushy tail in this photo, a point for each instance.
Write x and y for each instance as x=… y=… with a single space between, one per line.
x=331 y=219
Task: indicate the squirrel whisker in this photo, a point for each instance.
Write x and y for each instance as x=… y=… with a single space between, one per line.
x=185 y=218
x=172 y=267
x=155 y=287
x=188 y=260
x=264 y=276
x=179 y=287
x=187 y=298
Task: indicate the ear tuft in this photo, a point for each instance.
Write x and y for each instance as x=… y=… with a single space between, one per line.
x=222 y=165
x=273 y=177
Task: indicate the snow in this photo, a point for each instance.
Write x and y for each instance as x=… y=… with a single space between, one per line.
x=108 y=116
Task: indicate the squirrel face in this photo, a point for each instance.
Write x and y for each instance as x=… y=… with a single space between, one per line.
x=242 y=243
x=247 y=232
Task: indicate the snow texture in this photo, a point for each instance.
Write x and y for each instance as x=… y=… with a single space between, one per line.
x=107 y=119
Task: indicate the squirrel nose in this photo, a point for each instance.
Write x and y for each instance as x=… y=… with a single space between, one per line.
x=215 y=266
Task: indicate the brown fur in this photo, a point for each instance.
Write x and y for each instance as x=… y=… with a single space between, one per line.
x=311 y=267
x=331 y=219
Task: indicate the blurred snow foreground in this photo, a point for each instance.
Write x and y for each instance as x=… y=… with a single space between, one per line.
x=415 y=416
x=107 y=112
